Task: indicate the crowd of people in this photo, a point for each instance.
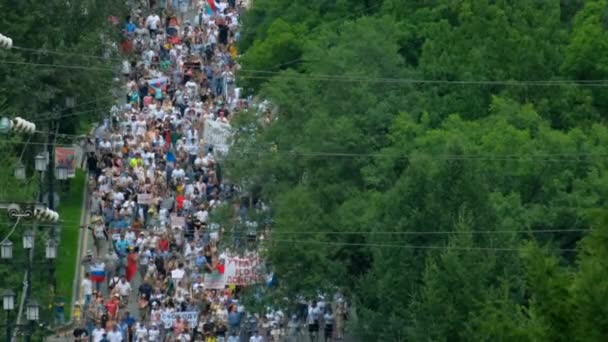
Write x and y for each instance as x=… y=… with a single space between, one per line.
x=155 y=184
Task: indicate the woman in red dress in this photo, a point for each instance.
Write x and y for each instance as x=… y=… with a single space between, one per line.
x=131 y=265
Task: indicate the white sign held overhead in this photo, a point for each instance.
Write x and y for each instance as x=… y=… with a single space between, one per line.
x=218 y=135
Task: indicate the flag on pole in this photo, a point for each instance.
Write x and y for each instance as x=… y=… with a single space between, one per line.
x=212 y=5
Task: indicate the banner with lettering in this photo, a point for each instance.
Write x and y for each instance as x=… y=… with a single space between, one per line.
x=169 y=318
x=66 y=157
x=243 y=270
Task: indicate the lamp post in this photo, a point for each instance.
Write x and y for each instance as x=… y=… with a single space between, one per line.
x=6 y=250
x=5 y=125
x=61 y=173
x=51 y=250
x=32 y=313
x=28 y=239
x=40 y=163
x=20 y=171
x=8 y=304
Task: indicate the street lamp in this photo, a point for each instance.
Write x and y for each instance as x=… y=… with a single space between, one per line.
x=8 y=304
x=8 y=300
x=51 y=249
x=20 y=171
x=40 y=163
x=32 y=310
x=70 y=102
x=28 y=239
x=61 y=172
x=6 y=250
x=5 y=125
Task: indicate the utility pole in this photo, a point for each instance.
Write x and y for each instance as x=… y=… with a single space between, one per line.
x=50 y=175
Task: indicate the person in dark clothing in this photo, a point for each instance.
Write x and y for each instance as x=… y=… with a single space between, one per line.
x=223 y=33
x=81 y=334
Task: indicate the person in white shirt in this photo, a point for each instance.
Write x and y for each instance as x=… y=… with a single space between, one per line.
x=87 y=290
x=124 y=289
x=131 y=237
x=153 y=334
x=178 y=274
x=98 y=333
x=256 y=337
x=152 y=23
x=140 y=332
x=115 y=335
x=233 y=337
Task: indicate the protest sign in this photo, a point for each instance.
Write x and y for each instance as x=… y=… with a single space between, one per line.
x=217 y=134
x=243 y=270
x=215 y=281
x=144 y=198
x=179 y=221
x=66 y=157
x=169 y=318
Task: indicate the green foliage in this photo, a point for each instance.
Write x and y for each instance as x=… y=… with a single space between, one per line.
x=474 y=174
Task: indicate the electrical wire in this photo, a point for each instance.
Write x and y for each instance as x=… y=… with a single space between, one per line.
x=405 y=81
x=24 y=148
x=489 y=249
x=59 y=53
x=359 y=78
x=69 y=114
x=52 y=114
x=79 y=67
x=433 y=232
x=462 y=157
x=8 y=141
x=12 y=230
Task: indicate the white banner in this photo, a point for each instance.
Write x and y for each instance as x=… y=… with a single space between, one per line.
x=169 y=318
x=144 y=198
x=243 y=270
x=217 y=134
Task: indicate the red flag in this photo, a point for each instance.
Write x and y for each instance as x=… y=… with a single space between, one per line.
x=212 y=4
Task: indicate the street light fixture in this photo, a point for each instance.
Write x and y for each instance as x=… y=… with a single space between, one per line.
x=61 y=172
x=28 y=239
x=8 y=300
x=32 y=310
x=40 y=163
x=6 y=250
x=70 y=102
x=20 y=171
x=51 y=249
x=5 y=125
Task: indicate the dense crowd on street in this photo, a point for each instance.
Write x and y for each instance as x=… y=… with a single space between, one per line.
x=155 y=184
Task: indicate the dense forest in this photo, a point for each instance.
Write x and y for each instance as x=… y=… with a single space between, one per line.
x=443 y=162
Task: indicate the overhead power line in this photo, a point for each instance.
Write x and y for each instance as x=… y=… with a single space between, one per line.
x=489 y=232
x=533 y=158
x=462 y=157
x=12 y=230
x=61 y=53
x=57 y=66
x=379 y=245
x=410 y=81
x=60 y=110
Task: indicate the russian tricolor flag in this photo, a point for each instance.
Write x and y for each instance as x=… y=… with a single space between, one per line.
x=98 y=273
